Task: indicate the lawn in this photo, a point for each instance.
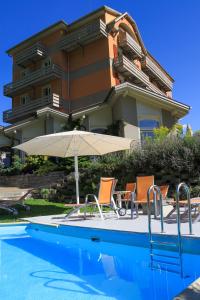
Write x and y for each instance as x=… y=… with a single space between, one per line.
x=38 y=207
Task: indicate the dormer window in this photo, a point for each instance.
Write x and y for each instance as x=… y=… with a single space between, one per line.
x=24 y=99
x=47 y=62
x=46 y=90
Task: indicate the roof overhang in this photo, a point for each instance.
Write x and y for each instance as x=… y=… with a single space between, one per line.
x=177 y=108
x=12 y=128
x=44 y=112
x=60 y=25
x=50 y=111
x=86 y=111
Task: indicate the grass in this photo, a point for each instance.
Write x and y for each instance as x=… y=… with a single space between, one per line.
x=38 y=207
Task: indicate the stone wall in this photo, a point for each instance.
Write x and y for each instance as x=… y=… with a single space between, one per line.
x=32 y=180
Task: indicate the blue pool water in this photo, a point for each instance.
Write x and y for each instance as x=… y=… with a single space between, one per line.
x=40 y=265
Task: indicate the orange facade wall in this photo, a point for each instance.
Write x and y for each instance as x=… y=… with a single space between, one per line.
x=113 y=47
x=83 y=85
x=89 y=54
x=90 y=84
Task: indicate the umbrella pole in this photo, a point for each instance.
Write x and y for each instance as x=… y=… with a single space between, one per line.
x=76 y=178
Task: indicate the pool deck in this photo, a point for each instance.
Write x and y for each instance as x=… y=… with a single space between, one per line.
x=139 y=225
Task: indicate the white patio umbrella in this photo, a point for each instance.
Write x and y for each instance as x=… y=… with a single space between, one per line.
x=73 y=144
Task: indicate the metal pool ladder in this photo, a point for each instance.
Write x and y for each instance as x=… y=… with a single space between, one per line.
x=160 y=260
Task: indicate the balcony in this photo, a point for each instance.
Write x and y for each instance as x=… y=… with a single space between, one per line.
x=30 y=55
x=129 y=45
x=26 y=110
x=34 y=78
x=157 y=74
x=155 y=89
x=129 y=70
x=83 y=36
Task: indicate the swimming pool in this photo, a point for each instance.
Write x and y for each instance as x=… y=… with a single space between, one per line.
x=44 y=262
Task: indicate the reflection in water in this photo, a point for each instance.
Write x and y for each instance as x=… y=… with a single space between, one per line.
x=84 y=270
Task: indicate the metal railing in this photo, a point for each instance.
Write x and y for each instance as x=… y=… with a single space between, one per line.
x=150 y=66
x=84 y=35
x=183 y=186
x=37 y=51
x=33 y=78
x=158 y=260
x=156 y=89
x=129 y=44
x=53 y=100
x=156 y=192
x=128 y=68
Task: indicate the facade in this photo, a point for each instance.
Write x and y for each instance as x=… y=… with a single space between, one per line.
x=97 y=66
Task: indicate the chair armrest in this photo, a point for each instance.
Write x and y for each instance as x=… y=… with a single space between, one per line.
x=121 y=192
x=90 y=195
x=133 y=197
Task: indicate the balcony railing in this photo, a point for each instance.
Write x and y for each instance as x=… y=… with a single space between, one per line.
x=157 y=74
x=12 y=115
x=34 y=78
x=127 y=43
x=36 y=52
x=83 y=36
x=156 y=89
x=129 y=70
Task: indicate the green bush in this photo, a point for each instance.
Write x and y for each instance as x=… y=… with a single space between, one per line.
x=171 y=160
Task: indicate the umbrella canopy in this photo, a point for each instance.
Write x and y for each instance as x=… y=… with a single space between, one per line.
x=74 y=143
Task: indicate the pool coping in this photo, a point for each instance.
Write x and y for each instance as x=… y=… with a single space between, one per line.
x=14 y=224
x=192 y=292
x=187 y=236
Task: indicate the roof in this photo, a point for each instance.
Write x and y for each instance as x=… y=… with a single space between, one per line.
x=60 y=25
x=54 y=27
x=95 y=13
x=90 y=16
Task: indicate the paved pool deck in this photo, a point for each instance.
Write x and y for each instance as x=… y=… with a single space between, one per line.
x=127 y=224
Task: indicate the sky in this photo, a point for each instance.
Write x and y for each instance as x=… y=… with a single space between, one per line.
x=169 y=28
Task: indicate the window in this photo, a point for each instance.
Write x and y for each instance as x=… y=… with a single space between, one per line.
x=46 y=90
x=147 y=126
x=47 y=62
x=24 y=99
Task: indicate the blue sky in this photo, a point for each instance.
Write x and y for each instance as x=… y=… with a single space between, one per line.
x=170 y=30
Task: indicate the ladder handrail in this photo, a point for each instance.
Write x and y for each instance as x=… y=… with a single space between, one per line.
x=156 y=191
x=185 y=187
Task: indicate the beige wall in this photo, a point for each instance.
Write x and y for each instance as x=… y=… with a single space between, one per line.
x=36 y=128
x=145 y=111
x=101 y=118
x=131 y=131
x=168 y=119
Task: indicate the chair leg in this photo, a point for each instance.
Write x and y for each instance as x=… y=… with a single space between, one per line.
x=170 y=213
x=99 y=208
x=115 y=207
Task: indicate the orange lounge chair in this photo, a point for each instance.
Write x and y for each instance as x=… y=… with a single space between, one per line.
x=195 y=206
x=164 y=191
x=105 y=198
x=125 y=196
x=143 y=183
x=12 y=196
